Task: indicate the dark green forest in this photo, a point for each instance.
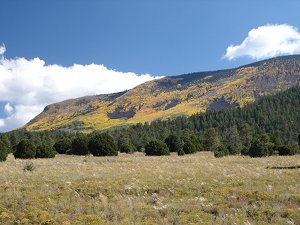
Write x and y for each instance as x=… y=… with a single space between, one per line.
x=269 y=126
x=278 y=116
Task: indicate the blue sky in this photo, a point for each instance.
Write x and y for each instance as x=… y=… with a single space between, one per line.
x=117 y=45
x=158 y=37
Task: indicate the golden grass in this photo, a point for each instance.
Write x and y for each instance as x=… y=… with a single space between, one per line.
x=134 y=189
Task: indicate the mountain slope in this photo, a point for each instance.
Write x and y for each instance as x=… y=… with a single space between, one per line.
x=172 y=96
x=277 y=115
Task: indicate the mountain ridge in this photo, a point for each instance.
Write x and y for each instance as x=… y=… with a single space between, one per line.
x=172 y=96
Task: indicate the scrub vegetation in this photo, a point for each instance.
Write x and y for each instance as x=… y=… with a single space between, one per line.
x=135 y=189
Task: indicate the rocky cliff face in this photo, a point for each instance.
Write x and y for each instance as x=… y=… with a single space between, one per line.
x=172 y=96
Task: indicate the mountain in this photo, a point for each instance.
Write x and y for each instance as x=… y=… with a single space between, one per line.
x=172 y=96
x=277 y=116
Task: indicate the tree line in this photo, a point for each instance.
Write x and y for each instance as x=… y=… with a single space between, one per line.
x=267 y=127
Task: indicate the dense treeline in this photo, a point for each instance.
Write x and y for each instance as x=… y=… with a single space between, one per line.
x=277 y=117
x=270 y=126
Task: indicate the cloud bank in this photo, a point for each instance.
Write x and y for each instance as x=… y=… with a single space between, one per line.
x=27 y=86
x=267 y=41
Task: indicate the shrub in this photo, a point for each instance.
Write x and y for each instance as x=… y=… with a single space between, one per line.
x=234 y=149
x=258 y=149
x=174 y=143
x=80 y=145
x=102 y=145
x=245 y=150
x=29 y=166
x=180 y=152
x=221 y=151
x=127 y=148
x=25 y=150
x=140 y=148
x=196 y=141
x=63 y=146
x=156 y=148
x=3 y=151
x=286 y=150
x=189 y=147
x=45 y=151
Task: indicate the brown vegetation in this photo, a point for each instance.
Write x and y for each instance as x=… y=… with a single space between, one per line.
x=134 y=189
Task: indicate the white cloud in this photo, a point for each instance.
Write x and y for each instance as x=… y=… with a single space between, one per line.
x=27 y=86
x=2 y=49
x=8 y=109
x=2 y=122
x=267 y=41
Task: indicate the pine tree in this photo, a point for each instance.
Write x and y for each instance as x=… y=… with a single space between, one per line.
x=212 y=139
x=25 y=150
x=174 y=143
x=102 y=145
x=156 y=148
x=80 y=145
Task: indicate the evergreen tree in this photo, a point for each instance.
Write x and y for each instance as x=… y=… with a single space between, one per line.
x=125 y=145
x=3 y=151
x=232 y=140
x=221 y=151
x=80 y=145
x=25 y=150
x=63 y=146
x=246 y=136
x=180 y=152
x=233 y=149
x=174 y=143
x=258 y=148
x=286 y=150
x=196 y=142
x=276 y=115
x=212 y=140
x=45 y=151
x=4 y=138
x=102 y=145
x=156 y=148
x=127 y=148
x=189 y=147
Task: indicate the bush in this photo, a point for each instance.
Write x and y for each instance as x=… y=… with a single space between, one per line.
x=286 y=150
x=233 y=149
x=198 y=144
x=25 y=150
x=174 y=143
x=3 y=151
x=29 y=166
x=156 y=148
x=221 y=151
x=180 y=152
x=80 y=145
x=245 y=151
x=102 y=145
x=45 y=151
x=140 y=148
x=258 y=149
x=63 y=146
x=189 y=147
x=127 y=148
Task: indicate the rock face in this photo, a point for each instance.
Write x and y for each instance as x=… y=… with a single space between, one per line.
x=172 y=96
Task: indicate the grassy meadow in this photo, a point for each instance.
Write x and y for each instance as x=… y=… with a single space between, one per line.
x=134 y=189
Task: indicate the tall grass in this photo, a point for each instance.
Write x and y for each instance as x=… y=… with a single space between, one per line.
x=134 y=189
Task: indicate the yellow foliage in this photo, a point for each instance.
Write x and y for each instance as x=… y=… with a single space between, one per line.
x=152 y=100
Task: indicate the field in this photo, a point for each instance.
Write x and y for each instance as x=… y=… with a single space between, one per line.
x=134 y=189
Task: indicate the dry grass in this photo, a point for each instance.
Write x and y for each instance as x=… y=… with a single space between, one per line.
x=133 y=189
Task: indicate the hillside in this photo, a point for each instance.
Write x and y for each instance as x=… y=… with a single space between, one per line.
x=277 y=115
x=172 y=96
